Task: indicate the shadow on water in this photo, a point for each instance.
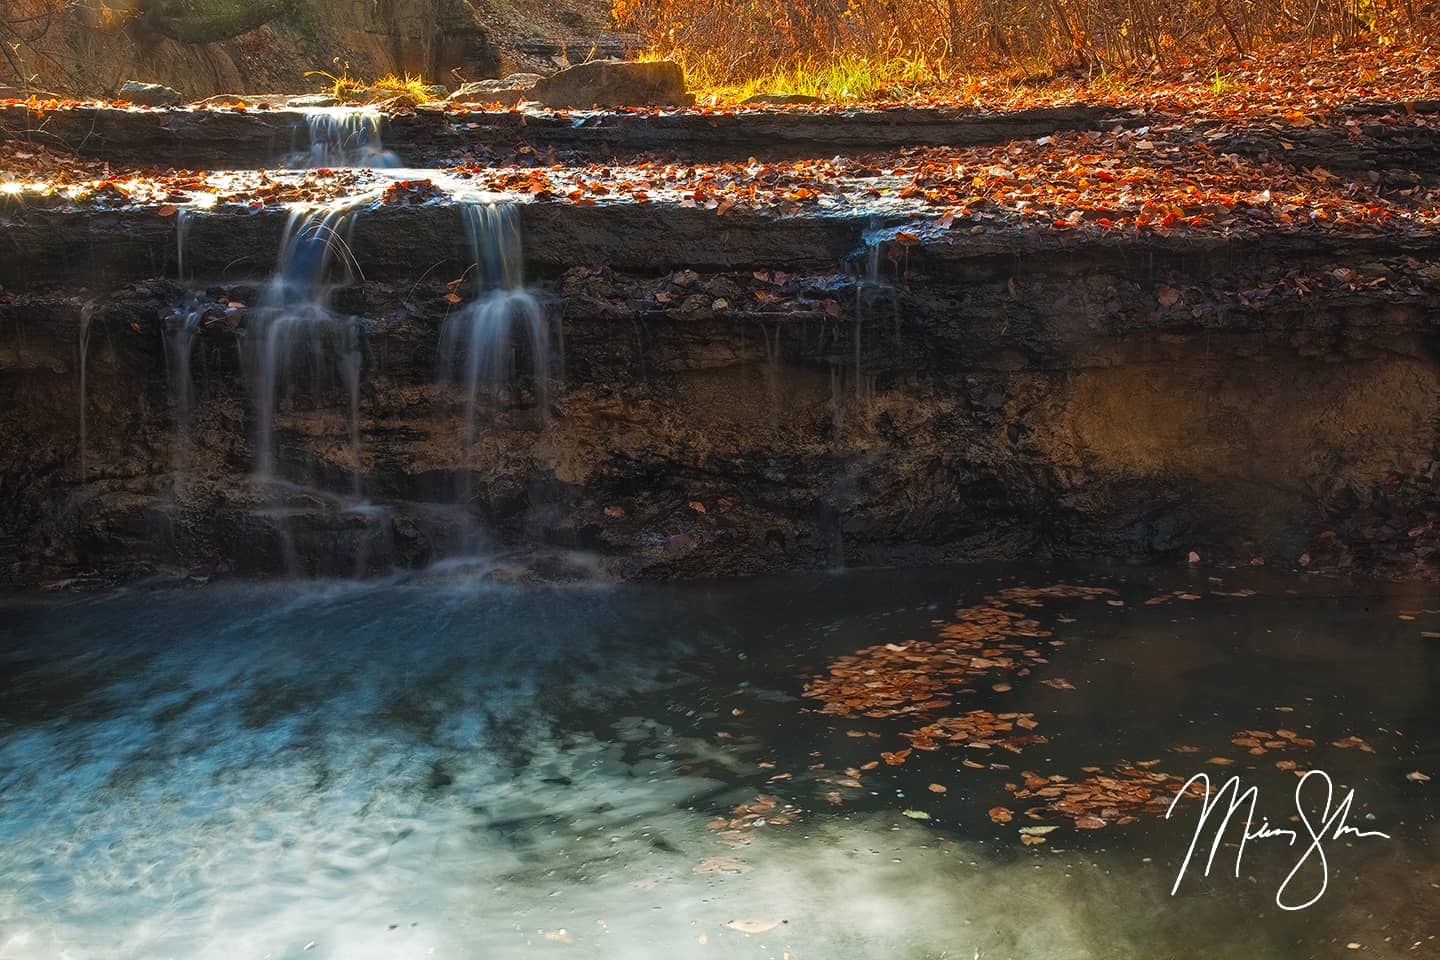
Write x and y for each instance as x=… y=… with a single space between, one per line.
x=336 y=770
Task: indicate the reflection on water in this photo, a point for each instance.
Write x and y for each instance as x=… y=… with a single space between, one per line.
x=450 y=770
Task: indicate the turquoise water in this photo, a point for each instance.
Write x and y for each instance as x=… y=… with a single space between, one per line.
x=444 y=768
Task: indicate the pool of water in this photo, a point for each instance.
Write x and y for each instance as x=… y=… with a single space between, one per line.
x=435 y=767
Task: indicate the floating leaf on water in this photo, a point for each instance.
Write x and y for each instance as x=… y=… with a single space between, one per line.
x=1416 y=776
x=1038 y=831
x=917 y=814
x=936 y=788
x=1089 y=823
x=1220 y=761
x=1001 y=814
x=753 y=926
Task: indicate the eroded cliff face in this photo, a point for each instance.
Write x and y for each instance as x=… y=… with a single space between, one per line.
x=1265 y=399
x=89 y=50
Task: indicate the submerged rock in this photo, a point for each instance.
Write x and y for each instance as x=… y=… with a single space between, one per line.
x=313 y=100
x=150 y=94
x=506 y=91
x=615 y=83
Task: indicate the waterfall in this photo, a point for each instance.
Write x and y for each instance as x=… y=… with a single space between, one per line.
x=294 y=322
x=87 y=314
x=345 y=137
x=482 y=345
x=182 y=233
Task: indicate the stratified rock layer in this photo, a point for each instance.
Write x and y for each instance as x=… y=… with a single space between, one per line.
x=731 y=402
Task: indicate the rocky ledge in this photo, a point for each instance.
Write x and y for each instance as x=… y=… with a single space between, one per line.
x=736 y=403
x=262 y=135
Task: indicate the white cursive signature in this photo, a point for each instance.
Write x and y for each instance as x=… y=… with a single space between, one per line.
x=1331 y=825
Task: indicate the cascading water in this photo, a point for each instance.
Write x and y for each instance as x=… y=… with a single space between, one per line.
x=179 y=330
x=345 y=137
x=868 y=286
x=295 y=320
x=482 y=346
x=87 y=314
x=182 y=235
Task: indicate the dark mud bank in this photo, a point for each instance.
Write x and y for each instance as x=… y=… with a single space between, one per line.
x=1025 y=396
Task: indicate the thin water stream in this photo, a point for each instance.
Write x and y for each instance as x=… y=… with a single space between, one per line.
x=483 y=343
x=439 y=768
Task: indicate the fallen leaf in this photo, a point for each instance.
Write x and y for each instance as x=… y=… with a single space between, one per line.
x=719 y=865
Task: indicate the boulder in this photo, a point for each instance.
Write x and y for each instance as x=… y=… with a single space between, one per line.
x=149 y=94
x=507 y=91
x=615 y=83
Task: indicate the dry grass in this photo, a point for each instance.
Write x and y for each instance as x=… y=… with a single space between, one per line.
x=867 y=49
x=343 y=86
